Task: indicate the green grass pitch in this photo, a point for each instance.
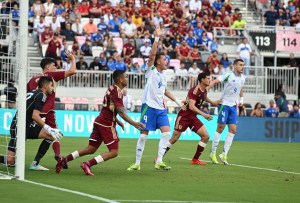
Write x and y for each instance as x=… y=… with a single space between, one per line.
x=184 y=183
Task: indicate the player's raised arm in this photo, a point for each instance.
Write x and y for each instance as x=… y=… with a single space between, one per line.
x=213 y=83
x=157 y=34
x=72 y=69
x=121 y=111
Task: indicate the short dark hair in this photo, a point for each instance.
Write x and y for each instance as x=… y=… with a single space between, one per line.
x=44 y=80
x=203 y=75
x=238 y=60
x=158 y=57
x=117 y=74
x=46 y=61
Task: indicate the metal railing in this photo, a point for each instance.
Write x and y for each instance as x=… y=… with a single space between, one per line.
x=262 y=80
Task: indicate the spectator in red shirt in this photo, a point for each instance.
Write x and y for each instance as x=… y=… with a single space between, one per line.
x=83 y=9
x=163 y=9
x=144 y=11
x=214 y=63
x=183 y=52
x=46 y=36
x=128 y=50
x=53 y=45
x=95 y=9
x=195 y=55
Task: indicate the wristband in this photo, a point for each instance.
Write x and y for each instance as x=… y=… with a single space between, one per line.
x=156 y=39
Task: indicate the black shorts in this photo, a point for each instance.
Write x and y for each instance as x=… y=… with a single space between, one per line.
x=32 y=132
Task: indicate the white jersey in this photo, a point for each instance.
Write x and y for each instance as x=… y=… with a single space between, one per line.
x=156 y=84
x=232 y=87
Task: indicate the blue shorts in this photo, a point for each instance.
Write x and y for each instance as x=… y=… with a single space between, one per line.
x=227 y=114
x=154 y=118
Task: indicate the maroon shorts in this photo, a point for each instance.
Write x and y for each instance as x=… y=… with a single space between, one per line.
x=108 y=135
x=181 y=124
x=50 y=119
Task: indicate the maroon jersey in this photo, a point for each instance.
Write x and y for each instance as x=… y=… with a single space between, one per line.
x=197 y=95
x=32 y=85
x=113 y=98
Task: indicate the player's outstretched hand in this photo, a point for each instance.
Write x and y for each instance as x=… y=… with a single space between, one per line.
x=55 y=133
x=121 y=125
x=158 y=32
x=216 y=103
x=139 y=125
x=208 y=117
x=70 y=55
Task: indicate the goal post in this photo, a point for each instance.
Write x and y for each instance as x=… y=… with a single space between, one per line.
x=22 y=55
x=13 y=70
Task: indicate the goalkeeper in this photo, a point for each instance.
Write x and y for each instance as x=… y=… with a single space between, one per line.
x=35 y=126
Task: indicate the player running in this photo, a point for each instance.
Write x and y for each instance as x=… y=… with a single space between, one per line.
x=227 y=111
x=154 y=113
x=104 y=127
x=49 y=66
x=187 y=116
x=35 y=126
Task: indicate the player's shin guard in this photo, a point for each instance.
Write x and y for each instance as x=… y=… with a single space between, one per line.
x=162 y=146
x=44 y=146
x=228 y=142
x=140 y=148
x=215 y=142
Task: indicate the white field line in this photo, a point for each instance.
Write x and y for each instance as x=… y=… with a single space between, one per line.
x=170 y=201
x=73 y=192
x=254 y=167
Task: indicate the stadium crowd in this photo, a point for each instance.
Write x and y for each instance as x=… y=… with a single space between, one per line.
x=115 y=32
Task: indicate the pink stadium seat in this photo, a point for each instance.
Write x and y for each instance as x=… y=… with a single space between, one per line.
x=80 y=40
x=69 y=102
x=175 y=63
x=119 y=44
x=81 y=103
x=139 y=60
x=98 y=104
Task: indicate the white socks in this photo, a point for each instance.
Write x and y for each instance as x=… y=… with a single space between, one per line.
x=99 y=159
x=215 y=142
x=163 y=143
x=140 y=148
x=228 y=142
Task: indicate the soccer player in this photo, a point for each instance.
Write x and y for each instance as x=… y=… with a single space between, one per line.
x=187 y=116
x=35 y=126
x=49 y=66
x=154 y=113
x=233 y=83
x=104 y=127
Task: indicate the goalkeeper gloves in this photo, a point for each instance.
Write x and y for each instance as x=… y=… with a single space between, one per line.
x=55 y=133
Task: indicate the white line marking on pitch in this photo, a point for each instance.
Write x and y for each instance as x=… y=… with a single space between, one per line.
x=170 y=201
x=73 y=191
x=253 y=167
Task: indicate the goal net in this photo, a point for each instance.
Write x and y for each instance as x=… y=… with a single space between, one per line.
x=9 y=84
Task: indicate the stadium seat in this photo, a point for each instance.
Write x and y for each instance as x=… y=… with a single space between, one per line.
x=247 y=105
x=138 y=106
x=212 y=111
x=98 y=102
x=59 y=106
x=170 y=74
x=80 y=40
x=84 y=21
x=175 y=63
x=139 y=60
x=118 y=41
x=96 y=51
x=69 y=102
x=81 y=103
